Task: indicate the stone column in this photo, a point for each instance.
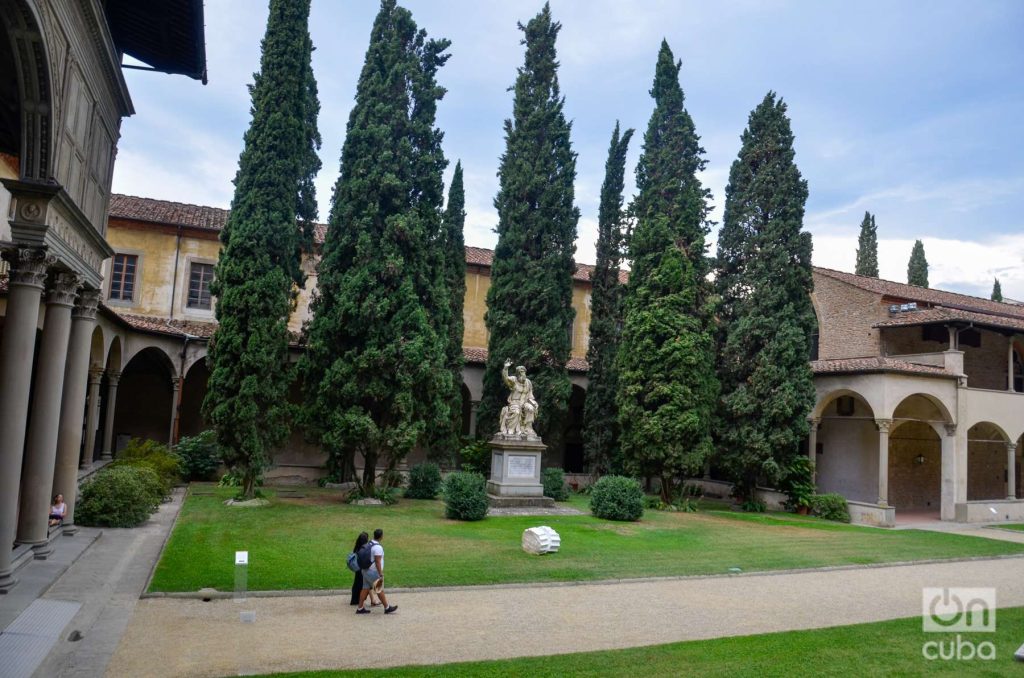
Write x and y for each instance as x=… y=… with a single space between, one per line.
x=883 y=460
x=26 y=277
x=1011 y=470
x=41 y=445
x=947 y=510
x=474 y=405
x=108 y=427
x=812 y=439
x=92 y=415
x=72 y=407
x=175 y=392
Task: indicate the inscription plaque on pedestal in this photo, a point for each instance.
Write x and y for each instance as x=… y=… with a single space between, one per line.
x=522 y=466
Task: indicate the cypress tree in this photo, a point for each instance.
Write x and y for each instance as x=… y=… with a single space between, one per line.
x=247 y=396
x=667 y=386
x=917 y=267
x=867 y=247
x=764 y=279
x=529 y=302
x=375 y=368
x=600 y=416
x=997 y=291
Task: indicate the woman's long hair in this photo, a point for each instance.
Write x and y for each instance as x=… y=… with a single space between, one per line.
x=360 y=541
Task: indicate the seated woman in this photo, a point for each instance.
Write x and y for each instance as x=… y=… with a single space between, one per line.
x=57 y=510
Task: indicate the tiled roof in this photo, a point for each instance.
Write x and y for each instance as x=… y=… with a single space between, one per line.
x=478 y=356
x=478 y=256
x=943 y=315
x=925 y=295
x=178 y=328
x=875 y=364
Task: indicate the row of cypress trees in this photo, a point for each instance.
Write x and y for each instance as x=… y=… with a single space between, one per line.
x=683 y=369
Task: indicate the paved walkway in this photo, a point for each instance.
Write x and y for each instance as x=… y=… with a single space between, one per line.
x=174 y=637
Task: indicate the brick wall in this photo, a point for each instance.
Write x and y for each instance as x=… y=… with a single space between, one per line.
x=986 y=366
x=845 y=316
x=913 y=485
x=986 y=470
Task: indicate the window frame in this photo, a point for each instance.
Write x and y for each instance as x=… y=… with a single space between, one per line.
x=187 y=286
x=136 y=283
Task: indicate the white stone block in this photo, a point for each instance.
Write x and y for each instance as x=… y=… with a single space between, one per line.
x=541 y=540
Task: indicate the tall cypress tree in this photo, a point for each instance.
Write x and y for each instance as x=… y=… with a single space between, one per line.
x=600 y=416
x=765 y=282
x=375 y=368
x=529 y=302
x=867 y=247
x=917 y=267
x=667 y=386
x=997 y=291
x=247 y=397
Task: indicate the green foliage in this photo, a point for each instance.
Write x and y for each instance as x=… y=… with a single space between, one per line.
x=392 y=478
x=465 y=496
x=798 y=483
x=272 y=215
x=237 y=479
x=375 y=370
x=553 y=480
x=600 y=415
x=155 y=455
x=200 y=455
x=667 y=386
x=766 y=318
x=917 y=267
x=156 y=487
x=830 y=506
x=475 y=457
x=997 y=291
x=617 y=498
x=753 y=506
x=383 y=493
x=424 y=481
x=122 y=496
x=867 y=247
x=529 y=302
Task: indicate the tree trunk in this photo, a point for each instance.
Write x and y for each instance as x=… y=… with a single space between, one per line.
x=248 y=484
x=369 y=471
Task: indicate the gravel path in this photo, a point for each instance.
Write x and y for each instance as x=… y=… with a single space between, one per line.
x=172 y=637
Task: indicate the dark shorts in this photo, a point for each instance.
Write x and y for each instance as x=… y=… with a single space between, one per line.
x=370 y=578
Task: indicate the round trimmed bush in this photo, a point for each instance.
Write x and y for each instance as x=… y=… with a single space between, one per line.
x=116 y=497
x=465 y=496
x=553 y=480
x=617 y=498
x=424 y=481
x=831 y=506
x=200 y=456
x=154 y=485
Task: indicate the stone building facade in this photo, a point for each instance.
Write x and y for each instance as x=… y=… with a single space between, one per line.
x=62 y=98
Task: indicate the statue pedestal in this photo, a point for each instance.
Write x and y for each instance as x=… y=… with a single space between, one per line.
x=515 y=472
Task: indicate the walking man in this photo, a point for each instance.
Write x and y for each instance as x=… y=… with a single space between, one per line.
x=373 y=577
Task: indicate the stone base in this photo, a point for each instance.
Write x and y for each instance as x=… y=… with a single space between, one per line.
x=507 y=501
x=515 y=469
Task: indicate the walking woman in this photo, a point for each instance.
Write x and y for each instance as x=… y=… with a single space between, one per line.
x=357 y=583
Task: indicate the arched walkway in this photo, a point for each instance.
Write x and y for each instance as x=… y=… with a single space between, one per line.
x=915 y=468
x=467 y=411
x=986 y=462
x=144 y=398
x=193 y=392
x=846 y=455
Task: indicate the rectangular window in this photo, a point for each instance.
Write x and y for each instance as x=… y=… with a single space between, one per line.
x=199 y=280
x=122 y=277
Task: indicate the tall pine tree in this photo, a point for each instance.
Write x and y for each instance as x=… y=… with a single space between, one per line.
x=997 y=291
x=764 y=281
x=529 y=302
x=867 y=247
x=375 y=368
x=667 y=386
x=600 y=415
x=917 y=267
x=247 y=397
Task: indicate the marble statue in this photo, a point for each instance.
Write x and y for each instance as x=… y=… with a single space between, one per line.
x=517 y=417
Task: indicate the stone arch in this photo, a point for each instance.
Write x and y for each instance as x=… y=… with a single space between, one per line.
x=113 y=361
x=987 y=465
x=145 y=398
x=921 y=407
x=96 y=347
x=846 y=450
x=915 y=467
x=193 y=392
x=825 y=401
x=467 y=410
x=26 y=51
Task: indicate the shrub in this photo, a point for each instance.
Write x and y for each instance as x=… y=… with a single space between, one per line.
x=553 y=480
x=830 y=506
x=200 y=456
x=754 y=506
x=687 y=505
x=163 y=461
x=798 y=483
x=424 y=481
x=617 y=498
x=392 y=478
x=465 y=496
x=116 y=497
x=475 y=457
x=154 y=485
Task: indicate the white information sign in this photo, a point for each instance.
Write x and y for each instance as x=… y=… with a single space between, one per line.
x=522 y=466
x=241 y=557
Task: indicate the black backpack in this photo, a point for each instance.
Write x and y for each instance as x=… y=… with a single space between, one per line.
x=364 y=555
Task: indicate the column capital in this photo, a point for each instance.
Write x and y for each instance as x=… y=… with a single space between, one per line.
x=95 y=374
x=175 y=384
x=28 y=265
x=63 y=288
x=814 y=422
x=1011 y=447
x=884 y=425
x=112 y=377
x=950 y=430
x=88 y=301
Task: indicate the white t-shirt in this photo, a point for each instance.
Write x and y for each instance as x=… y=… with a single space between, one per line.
x=376 y=550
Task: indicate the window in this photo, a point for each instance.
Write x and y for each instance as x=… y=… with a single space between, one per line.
x=199 y=280
x=122 y=277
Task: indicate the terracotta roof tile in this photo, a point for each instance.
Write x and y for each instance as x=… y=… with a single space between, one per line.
x=943 y=315
x=475 y=355
x=179 y=328
x=925 y=295
x=875 y=364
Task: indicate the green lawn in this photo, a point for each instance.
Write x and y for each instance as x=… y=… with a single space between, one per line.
x=301 y=544
x=1010 y=526
x=880 y=649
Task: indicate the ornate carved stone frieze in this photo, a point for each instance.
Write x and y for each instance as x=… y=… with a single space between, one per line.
x=88 y=301
x=64 y=288
x=28 y=265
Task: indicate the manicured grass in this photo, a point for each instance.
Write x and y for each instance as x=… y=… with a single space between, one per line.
x=1010 y=526
x=301 y=544
x=892 y=648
